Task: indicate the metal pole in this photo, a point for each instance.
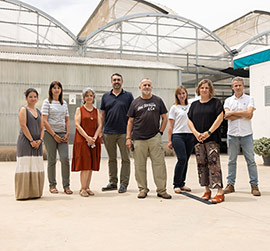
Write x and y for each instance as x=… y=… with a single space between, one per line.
x=197 y=60
x=157 y=26
x=121 y=40
x=179 y=77
x=37 y=33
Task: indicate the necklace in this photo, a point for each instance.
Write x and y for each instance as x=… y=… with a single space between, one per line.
x=33 y=111
x=184 y=108
x=89 y=110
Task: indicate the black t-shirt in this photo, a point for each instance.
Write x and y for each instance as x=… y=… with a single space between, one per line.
x=146 y=114
x=203 y=115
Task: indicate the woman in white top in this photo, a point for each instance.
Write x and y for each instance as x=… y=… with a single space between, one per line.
x=57 y=125
x=180 y=138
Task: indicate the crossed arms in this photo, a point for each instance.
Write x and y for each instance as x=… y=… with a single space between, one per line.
x=233 y=115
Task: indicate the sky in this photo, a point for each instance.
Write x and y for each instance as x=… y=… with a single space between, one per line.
x=210 y=13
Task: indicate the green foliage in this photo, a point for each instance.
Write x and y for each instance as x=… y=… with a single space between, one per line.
x=262 y=146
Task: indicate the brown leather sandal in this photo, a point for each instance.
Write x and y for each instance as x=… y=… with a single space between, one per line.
x=185 y=188
x=53 y=190
x=90 y=192
x=83 y=193
x=67 y=191
x=177 y=190
x=206 y=196
x=218 y=198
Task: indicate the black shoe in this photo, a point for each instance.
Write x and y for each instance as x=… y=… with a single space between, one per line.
x=164 y=196
x=122 y=189
x=109 y=187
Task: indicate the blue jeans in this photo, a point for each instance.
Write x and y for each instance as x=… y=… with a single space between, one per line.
x=246 y=144
x=183 y=146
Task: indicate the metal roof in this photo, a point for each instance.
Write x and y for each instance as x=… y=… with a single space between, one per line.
x=55 y=59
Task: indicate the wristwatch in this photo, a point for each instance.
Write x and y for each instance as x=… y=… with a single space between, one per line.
x=209 y=133
x=161 y=133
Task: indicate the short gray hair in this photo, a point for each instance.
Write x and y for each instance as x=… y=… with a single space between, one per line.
x=238 y=79
x=146 y=79
x=85 y=91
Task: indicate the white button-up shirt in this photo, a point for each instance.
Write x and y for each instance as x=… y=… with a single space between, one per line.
x=239 y=127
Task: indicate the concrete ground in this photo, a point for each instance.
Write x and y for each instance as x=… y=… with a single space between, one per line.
x=112 y=221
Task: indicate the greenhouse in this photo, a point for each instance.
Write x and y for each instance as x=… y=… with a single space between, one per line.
x=135 y=38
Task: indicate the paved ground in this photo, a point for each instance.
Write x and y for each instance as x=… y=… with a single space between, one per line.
x=112 y=221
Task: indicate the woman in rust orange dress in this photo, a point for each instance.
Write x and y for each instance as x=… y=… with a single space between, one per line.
x=86 y=147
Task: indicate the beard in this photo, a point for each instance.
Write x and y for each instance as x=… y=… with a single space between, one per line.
x=116 y=86
x=146 y=92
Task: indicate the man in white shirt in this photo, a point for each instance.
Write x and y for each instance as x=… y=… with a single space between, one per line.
x=239 y=111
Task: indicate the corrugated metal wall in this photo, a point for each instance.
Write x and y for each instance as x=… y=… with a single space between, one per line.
x=17 y=76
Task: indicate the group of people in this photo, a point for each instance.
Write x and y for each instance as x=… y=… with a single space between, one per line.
x=136 y=125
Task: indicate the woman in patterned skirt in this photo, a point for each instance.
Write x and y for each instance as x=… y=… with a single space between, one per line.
x=86 y=148
x=29 y=177
x=205 y=117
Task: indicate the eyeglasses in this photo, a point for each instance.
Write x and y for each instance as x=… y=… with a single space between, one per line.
x=116 y=79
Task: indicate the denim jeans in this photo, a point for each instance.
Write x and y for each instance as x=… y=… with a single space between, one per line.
x=246 y=144
x=183 y=146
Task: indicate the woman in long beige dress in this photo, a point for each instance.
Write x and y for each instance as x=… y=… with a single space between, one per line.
x=29 y=177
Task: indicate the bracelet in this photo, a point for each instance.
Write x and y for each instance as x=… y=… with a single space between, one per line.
x=128 y=138
x=54 y=135
x=161 y=133
x=41 y=140
x=31 y=141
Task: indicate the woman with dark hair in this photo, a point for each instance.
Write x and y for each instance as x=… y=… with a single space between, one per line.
x=205 y=117
x=86 y=147
x=29 y=177
x=180 y=138
x=57 y=126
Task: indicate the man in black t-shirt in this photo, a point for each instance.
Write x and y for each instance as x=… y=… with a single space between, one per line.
x=144 y=124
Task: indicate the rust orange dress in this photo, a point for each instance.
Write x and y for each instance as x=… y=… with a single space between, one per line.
x=85 y=157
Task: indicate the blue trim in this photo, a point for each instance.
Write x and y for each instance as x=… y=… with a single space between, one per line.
x=256 y=58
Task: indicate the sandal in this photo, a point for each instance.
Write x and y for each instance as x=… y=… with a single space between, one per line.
x=89 y=192
x=67 y=191
x=206 y=196
x=218 y=198
x=53 y=190
x=177 y=190
x=83 y=193
x=185 y=188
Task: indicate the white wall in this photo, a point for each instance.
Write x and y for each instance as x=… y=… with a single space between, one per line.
x=259 y=78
